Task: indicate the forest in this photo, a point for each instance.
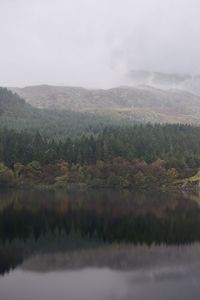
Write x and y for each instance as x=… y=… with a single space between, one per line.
x=46 y=147
x=127 y=156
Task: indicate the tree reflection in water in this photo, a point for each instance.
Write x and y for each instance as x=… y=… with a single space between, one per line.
x=46 y=222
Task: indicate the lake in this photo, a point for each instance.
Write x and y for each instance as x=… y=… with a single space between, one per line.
x=105 y=244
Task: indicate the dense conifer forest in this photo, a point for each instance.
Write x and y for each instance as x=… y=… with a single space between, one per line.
x=118 y=156
x=177 y=145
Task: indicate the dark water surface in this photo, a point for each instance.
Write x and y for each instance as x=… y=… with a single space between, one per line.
x=99 y=245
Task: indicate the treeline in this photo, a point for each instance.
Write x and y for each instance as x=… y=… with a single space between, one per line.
x=177 y=145
x=117 y=173
x=136 y=156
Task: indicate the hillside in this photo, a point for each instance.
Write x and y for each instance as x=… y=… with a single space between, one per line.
x=12 y=105
x=138 y=103
x=17 y=114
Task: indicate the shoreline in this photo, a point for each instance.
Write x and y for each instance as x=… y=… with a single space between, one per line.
x=173 y=187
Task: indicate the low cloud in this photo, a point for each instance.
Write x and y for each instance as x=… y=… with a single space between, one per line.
x=95 y=43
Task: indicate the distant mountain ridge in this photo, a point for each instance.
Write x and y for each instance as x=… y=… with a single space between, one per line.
x=141 y=103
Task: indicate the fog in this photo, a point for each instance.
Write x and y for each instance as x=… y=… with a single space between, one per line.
x=95 y=43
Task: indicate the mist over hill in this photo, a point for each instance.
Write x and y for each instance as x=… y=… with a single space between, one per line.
x=17 y=114
x=152 y=97
x=185 y=82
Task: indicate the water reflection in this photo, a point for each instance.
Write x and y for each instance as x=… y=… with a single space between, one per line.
x=99 y=245
x=108 y=216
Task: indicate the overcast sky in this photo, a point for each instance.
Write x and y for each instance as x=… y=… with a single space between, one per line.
x=95 y=43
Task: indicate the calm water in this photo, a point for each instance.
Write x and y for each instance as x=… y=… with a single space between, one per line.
x=99 y=245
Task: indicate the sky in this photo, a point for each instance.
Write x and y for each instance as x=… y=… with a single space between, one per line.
x=96 y=43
